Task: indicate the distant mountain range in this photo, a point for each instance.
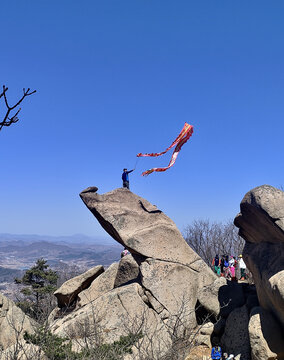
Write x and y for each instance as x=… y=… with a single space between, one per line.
x=21 y=251
x=69 y=239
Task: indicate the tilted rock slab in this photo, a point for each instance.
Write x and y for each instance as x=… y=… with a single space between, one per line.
x=172 y=272
x=67 y=293
x=100 y=286
x=139 y=225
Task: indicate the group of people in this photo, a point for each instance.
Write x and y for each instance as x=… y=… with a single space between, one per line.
x=230 y=267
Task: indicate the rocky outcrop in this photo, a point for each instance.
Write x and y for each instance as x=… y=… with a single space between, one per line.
x=67 y=293
x=139 y=226
x=261 y=224
x=152 y=289
x=163 y=282
x=117 y=312
x=13 y=323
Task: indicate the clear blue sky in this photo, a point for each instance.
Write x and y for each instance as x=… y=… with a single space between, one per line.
x=115 y=78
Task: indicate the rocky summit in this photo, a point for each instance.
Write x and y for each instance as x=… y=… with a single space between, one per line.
x=163 y=292
x=151 y=288
x=163 y=288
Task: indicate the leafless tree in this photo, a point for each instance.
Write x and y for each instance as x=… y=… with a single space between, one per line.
x=209 y=239
x=12 y=111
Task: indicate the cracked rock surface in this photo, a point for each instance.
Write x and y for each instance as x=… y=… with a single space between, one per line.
x=158 y=281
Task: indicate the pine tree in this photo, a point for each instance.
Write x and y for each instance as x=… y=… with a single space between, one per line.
x=41 y=283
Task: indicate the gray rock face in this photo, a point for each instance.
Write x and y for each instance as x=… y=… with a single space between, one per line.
x=261 y=225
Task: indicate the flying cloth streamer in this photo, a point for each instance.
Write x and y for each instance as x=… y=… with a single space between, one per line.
x=184 y=135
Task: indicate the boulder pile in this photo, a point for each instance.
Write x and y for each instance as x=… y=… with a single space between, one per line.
x=153 y=289
x=163 y=288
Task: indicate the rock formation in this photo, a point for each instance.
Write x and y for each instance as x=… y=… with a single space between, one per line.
x=13 y=323
x=261 y=224
x=163 y=282
x=151 y=289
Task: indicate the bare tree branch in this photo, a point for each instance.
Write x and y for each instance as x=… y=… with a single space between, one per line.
x=13 y=118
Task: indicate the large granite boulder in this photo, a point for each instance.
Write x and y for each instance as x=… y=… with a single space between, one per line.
x=139 y=225
x=154 y=288
x=261 y=224
x=67 y=293
x=170 y=272
x=13 y=323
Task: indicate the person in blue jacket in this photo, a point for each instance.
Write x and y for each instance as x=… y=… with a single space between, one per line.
x=125 y=178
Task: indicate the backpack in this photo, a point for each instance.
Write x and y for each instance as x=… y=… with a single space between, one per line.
x=226 y=264
x=216 y=352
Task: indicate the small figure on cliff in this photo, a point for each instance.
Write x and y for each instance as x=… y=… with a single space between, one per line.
x=125 y=178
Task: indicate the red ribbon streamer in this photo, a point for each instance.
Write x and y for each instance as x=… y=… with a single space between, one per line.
x=182 y=138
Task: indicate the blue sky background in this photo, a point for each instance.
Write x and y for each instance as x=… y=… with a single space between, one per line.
x=115 y=78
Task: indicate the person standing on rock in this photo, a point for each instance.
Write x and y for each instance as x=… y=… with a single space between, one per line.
x=243 y=267
x=216 y=264
x=125 y=178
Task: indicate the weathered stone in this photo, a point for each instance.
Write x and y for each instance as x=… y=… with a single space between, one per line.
x=207 y=328
x=115 y=313
x=208 y=296
x=266 y=336
x=67 y=293
x=101 y=285
x=13 y=323
x=261 y=224
x=235 y=339
x=128 y=270
x=175 y=286
x=262 y=215
x=138 y=225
